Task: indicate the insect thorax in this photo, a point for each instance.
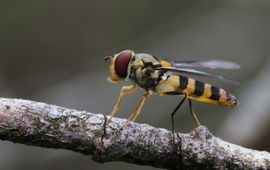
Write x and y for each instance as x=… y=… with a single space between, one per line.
x=145 y=76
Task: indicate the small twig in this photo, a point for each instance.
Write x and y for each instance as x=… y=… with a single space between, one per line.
x=40 y=124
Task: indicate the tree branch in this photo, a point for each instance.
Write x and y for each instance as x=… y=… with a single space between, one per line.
x=40 y=124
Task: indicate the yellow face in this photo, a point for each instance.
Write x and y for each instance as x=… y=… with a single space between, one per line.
x=113 y=78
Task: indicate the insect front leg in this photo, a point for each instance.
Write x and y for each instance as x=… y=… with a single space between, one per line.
x=124 y=91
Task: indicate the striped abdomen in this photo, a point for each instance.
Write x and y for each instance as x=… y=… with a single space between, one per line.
x=196 y=90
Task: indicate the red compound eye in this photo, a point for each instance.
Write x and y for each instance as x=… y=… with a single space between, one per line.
x=121 y=63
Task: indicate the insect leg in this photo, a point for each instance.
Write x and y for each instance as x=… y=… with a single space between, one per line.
x=195 y=118
x=174 y=111
x=124 y=91
x=138 y=109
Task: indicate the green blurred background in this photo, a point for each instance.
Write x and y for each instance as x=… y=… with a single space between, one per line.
x=53 y=51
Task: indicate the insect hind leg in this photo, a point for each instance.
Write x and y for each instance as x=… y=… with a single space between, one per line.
x=195 y=118
x=173 y=113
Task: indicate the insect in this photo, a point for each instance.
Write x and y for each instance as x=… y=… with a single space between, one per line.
x=162 y=77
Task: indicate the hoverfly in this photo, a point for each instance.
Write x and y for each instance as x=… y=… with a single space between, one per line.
x=168 y=78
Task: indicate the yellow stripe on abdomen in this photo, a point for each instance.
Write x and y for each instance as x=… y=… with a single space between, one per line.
x=195 y=90
x=207 y=91
x=203 y=92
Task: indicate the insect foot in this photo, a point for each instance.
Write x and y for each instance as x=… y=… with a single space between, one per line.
x=202 y=133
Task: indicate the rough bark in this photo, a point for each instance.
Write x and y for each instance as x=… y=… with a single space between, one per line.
x=40 y=124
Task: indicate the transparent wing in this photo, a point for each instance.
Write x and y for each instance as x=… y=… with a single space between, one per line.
x=196 y=73
x=212 y=64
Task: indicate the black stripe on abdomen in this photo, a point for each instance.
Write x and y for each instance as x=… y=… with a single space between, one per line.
x=215 y=93
x=199 y=88
x=183 y=82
